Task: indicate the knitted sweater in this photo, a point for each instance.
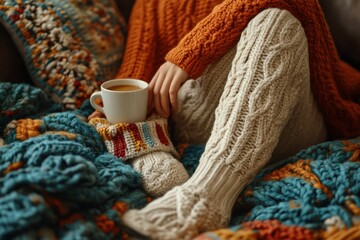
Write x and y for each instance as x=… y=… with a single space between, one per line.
x=195 y=33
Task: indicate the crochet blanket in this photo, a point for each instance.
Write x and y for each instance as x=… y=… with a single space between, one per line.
x=58 y=180
x=69 y=46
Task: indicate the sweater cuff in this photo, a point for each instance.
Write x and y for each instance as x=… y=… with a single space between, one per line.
x=187 y=61
x=131 y=140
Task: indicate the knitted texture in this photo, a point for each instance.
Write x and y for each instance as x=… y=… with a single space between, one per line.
x=192 y=34
x=197 y=101
x=312 y=195
x=69 y=46
x=148 y=147
x=160 y=172
x=131 y=140
x=265 y=83
x=70 y=188
x=32 y=100
x=57 y=178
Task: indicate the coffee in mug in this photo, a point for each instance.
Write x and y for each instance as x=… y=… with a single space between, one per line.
x=124 y=88
x=124 y=100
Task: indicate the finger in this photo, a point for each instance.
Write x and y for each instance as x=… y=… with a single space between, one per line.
x=99 y=102
x=164 y=94
x=174 y=90
x=157 y=88
x=95 y=114
x=151 y=92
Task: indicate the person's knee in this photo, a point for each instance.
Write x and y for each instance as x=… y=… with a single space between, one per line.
x=276 y=34
x=284 y=22
x=273 y=50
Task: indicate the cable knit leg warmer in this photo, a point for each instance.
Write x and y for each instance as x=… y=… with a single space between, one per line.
x=265 y=83
x=197 y=101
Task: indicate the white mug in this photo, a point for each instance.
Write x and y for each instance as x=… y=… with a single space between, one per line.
x=124 y=100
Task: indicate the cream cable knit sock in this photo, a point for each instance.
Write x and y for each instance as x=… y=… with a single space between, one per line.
x=265 y=83
x=160 y=172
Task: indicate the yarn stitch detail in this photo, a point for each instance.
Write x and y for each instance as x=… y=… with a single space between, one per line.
x=69 y=46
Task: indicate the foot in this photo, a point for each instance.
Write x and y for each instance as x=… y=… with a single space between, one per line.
x=160 y=172
x=182 y=213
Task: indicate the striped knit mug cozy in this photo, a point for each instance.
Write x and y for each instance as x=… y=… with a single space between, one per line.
x=131 y=140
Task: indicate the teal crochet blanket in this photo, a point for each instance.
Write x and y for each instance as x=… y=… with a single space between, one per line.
x=58 y=180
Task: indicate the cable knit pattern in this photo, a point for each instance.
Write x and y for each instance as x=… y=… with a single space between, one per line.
x=209 y=29
x=160 y=172
x=197 y=101
x=264 y=85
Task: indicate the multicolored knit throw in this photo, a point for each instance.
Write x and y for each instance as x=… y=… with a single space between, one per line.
x=312 y=195
x=130 y=140
x=69 y=46
x=57 y=180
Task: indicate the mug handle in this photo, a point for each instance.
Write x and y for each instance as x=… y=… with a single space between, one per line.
x=94 y=96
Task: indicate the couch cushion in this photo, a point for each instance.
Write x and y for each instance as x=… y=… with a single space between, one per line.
x=69 y=46
x=343 y=18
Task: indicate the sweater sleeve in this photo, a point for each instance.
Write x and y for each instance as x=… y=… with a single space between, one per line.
x=212 y=37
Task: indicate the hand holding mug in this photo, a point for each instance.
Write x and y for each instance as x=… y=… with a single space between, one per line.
x=124 y=100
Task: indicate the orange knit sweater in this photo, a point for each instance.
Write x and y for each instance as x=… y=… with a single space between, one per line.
x=194 y=33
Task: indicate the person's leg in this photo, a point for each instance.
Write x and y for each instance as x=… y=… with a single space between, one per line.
x=197 y=101
x=12 y=66
x=266 y=83
x=160 y=172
